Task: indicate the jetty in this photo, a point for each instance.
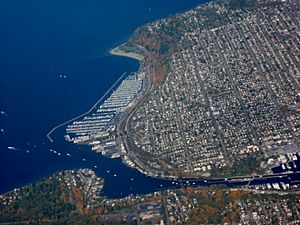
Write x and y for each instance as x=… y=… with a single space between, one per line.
x=89 y=111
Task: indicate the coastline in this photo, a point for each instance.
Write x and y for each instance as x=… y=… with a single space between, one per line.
x=114 y=51
x=119 y=52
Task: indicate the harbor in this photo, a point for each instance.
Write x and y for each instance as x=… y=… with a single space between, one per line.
x=97 y=128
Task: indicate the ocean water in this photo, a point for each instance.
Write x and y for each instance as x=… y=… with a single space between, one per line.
x=42 y=40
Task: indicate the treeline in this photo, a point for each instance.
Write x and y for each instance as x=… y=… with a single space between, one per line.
x=42 y=201
x=50 y=201
x=241 y=167
x=211 y=208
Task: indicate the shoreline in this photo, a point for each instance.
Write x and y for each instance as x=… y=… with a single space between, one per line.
x=117 y=51
x=85 y=113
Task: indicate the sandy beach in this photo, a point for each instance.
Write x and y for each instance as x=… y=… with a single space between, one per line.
x=119 y=52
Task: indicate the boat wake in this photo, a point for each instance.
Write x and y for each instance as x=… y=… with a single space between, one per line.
x=3 y=113
x=17 y=149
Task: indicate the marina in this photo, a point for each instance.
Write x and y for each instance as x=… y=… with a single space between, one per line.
x=101 y=119
x=98 y=128
x=289 y=162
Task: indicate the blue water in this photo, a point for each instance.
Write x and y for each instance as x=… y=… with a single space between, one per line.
x=42 y=39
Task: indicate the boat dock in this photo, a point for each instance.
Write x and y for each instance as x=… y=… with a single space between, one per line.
x=104 y=114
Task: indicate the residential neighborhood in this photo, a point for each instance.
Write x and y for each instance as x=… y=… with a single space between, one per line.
x=232 y=92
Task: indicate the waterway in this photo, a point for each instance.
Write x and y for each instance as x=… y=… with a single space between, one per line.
x=54 y=65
